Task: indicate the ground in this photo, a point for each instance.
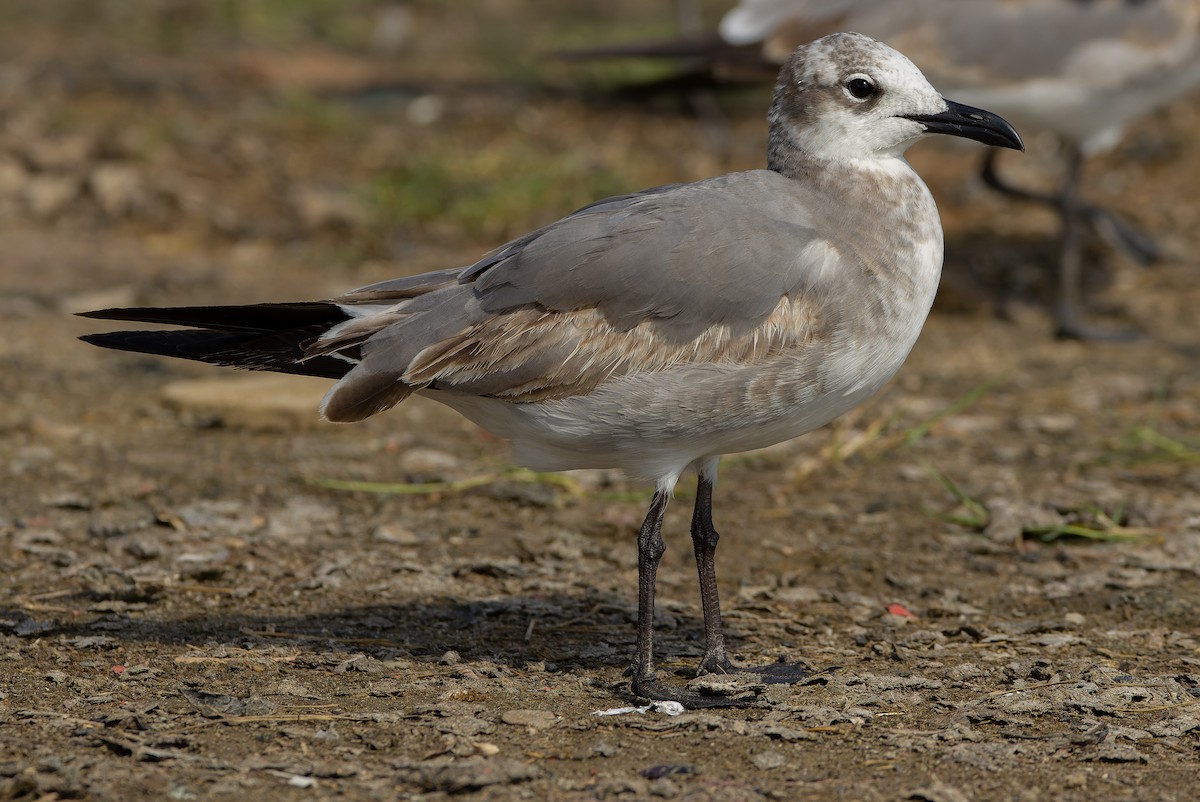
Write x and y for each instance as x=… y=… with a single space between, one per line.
x=992 y=567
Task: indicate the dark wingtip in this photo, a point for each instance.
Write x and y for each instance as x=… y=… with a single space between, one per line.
x=99 y=314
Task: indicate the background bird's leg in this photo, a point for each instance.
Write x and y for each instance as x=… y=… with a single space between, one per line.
x=992 y=178
x=1119 y=234
x=1068 y=307
x=650 y=552
x=704 y=543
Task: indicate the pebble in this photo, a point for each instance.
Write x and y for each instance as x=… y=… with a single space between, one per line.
x=395 y=533
x=429 y=464
x=470 y=774
x=323 y=207
x=13 y=179
x=265 y=402
x=1051 y=423
x=768 y=759
x=48 y=195
x=58 y=154
x=117 y=188
x=534 y=719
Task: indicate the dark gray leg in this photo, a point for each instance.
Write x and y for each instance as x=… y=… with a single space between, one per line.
x=716 y=658
x=644 y=683
x=650 y=552
x=1074 y=212
x=1119 y=234
x=1069 y=307
x=704 y=543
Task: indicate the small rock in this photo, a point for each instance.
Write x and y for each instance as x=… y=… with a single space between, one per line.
x=396 y=533
x=300 y=518
x=220 y=516
x=768 y=759
x=790 y=734
x=323 y=207
x=13 y=179
x=48 y=195
x=58 y=154
x=534 y=719
x=361 y=662
x=392 y=28
x=664 y=788
x=799 y=594
x=1115 y=753
x=665 y=770
x=425 y=110
x=1175 y=727
x=263 y=402
x=1051 y=423
x=1008 y=519
x=429 y=464
x=470 y=774
x=117 y=188
x=938 y=791
x=466 y=726
x=605 y=749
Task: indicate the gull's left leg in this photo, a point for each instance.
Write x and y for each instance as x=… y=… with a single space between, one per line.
x=704 y=542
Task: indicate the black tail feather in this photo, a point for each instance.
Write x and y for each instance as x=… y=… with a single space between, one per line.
x=271 y=337
x=253 y=317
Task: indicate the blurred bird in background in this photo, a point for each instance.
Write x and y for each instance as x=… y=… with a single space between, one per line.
x=1081 y=69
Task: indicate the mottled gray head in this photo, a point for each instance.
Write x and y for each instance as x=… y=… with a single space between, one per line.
x=849 y=97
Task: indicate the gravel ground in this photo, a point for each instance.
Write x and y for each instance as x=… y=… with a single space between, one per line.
x=992 y=567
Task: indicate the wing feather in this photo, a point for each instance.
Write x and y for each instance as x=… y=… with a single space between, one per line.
x=636 y=283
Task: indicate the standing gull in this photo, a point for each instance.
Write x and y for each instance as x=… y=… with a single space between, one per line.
x=657 y=331
x=1082 y=69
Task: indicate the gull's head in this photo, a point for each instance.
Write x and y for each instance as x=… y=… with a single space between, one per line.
x=849 y=97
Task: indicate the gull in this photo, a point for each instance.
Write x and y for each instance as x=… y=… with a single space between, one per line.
x=654 y=332
x=1081 y=69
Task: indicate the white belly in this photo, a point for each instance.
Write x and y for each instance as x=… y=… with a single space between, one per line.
x=654 y=425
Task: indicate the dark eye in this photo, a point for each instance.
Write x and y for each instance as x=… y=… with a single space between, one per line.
x=861 y=88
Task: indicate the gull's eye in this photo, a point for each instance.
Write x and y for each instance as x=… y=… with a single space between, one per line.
x=861 y=88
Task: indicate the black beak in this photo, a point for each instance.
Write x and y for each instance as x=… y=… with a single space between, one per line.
x=972 y=123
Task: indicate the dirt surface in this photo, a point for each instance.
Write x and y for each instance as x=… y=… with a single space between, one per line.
x=993 y=565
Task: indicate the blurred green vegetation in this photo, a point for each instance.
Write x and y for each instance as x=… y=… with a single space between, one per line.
x=246 y=104
x=486 y=193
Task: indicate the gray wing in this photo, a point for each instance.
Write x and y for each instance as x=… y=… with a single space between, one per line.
x=685 y=257
x=710 y=271
x=968 y=43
